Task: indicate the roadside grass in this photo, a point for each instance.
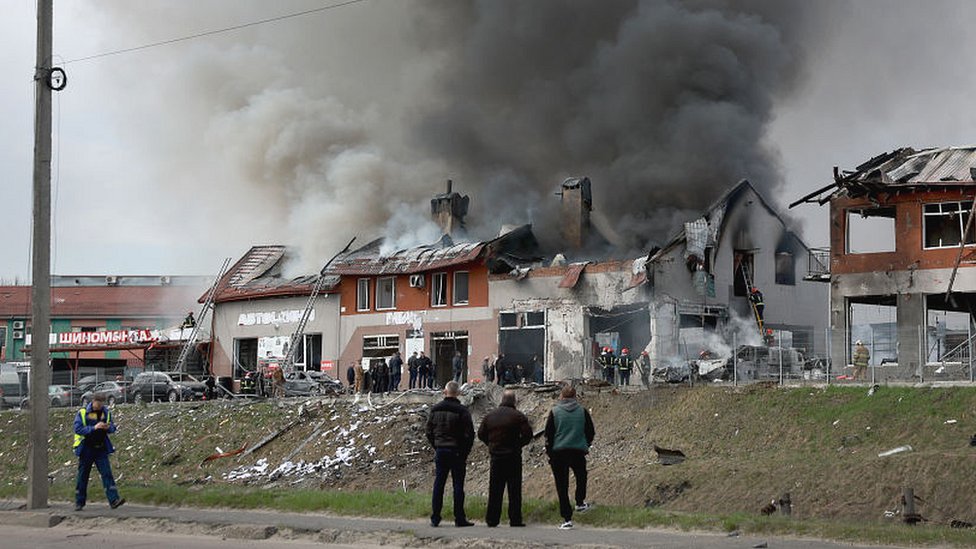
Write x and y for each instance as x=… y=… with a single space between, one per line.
x=416 y=505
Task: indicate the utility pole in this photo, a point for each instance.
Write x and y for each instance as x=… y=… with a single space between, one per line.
x=40 y=373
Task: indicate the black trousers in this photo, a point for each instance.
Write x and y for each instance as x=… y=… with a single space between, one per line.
x=561 y=462
x=453 y=462
x=505 y=471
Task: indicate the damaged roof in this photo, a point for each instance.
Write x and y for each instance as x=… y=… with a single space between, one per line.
x=904 y=168
x=714 y=216
x=503 y=253
x=259 y=274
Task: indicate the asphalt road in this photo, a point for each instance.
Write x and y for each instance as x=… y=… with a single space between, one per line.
x=17 y=537
x=98 y=523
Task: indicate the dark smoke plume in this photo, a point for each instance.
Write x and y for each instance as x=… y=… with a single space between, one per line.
x=316 y=129
x=662 y=104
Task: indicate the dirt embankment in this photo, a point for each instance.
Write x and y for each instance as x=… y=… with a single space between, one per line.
x=744 y=447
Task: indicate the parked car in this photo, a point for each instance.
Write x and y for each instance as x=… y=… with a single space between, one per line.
x=114 y=391
x=13 y=386
x=87 y=382
x=301 y=384
x=171 y=386
x=64 y=395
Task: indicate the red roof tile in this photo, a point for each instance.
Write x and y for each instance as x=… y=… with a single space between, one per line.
x=104 y=301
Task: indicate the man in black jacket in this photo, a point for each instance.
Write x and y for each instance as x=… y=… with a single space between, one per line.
x=451 y=432
x=569 y=435
x=505 y=430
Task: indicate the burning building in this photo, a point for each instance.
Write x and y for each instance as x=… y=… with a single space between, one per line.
x=690 y=295
x=901 y=258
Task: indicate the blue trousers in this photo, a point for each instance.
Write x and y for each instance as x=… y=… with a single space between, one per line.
x=98 y=458
x=453 y=462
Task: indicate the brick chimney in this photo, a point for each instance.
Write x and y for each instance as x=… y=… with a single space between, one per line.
x=576 y=205
x=448 y=210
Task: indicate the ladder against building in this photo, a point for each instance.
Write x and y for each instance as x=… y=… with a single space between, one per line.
x=323 y=280
x=747 y=279
x=208 y=305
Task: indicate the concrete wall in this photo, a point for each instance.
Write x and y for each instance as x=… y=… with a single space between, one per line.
x=226 y=326
x=481 y=323
x=567 y=353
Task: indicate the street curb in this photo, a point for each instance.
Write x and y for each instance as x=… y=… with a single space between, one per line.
x=33 y=519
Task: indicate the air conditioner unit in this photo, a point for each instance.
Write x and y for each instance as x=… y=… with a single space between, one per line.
x=165 y=280
x=18 y=334
x=112 y=280
x=18 y=325
x=417 y=281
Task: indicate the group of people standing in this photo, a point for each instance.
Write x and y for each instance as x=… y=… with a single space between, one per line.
x=502 y=371
x=616 y=370
x=385 y=376
x=450 y=430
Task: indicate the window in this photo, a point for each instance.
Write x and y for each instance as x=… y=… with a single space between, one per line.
x=785 y=269
x=438 y=290
x=944 y=223
x=385 y=293
x=871 y=230
x=362 y=294
x=461 y=288
x=742 y=272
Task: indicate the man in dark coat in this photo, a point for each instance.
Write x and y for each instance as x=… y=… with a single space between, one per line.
x=451 y=432
x=500 y=368
x=505 y=430
x=569 y=434
x=396 y=371
x=457 y=367
x=412 y=370
x=423 y=368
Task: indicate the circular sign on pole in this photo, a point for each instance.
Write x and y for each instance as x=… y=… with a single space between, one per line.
x=57 y=79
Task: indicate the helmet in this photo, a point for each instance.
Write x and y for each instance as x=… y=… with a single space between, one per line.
x=606 y=349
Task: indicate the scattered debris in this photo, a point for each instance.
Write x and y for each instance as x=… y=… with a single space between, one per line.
x=768 y=509
x=898 y=450
x=760 y=545
x=270 y=437
x=972 y=440
x=873 y=389
x=669 y=457
x=960 y=524
x=220 y=454
x=951 y=422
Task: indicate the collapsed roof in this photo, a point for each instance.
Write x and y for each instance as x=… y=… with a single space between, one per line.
x=904 y=169
x=508 y=251
x=259 y=273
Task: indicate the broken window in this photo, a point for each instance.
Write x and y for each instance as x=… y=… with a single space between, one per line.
x=385 y=293
x=438 y=290
x=873 y=322
x=785 y=269
x=945 y=222
x=871 y=230
x=362 y=294
x=742 y=274
x=461 y=288
x=508 y=320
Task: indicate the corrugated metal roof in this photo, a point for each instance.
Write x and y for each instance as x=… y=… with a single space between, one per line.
x=572 y=276
x=369 y=261
x=258 y=274
x=910 y=167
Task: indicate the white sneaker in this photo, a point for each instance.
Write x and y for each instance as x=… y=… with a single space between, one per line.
x=568 y=525
x=584 y=508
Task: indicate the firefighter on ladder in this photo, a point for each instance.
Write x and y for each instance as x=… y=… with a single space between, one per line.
x=756 y=297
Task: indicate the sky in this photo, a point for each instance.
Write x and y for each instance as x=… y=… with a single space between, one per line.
x=341 y=123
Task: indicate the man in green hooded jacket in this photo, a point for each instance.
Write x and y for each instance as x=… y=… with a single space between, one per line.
x=569 y=434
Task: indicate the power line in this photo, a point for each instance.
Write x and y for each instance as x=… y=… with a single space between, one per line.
x=215 y=31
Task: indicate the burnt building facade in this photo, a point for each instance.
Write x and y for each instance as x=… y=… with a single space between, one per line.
x=902 y=249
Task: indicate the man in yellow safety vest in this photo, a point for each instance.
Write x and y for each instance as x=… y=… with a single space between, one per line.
x=93 y=423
